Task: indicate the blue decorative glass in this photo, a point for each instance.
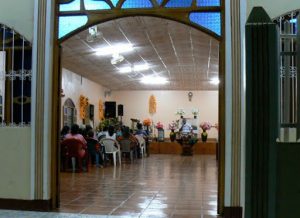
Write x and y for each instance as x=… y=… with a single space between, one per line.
x=114 y=2
x=70 y=23
x=137 y=4
x=159 y=1
x=72 y=6
x=208 y=2
x=179 y=4
x=95 y=5
x=208 y=20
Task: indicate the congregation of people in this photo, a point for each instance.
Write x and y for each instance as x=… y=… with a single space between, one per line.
x=84 y=147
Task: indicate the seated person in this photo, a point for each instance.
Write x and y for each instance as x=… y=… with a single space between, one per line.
x=186 y=128
x=75 y=134
x=102 y=134
x=94 y=149
x=65 y=130
x=140 y=130
x=110 y=134
x=127 y=135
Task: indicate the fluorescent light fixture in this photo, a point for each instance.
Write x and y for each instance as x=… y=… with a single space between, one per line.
x=154 y=80
x=293 y=20
x=125 y=70
x=141 y=67
x=214 y=81
x=134 y=68
x=114 y=49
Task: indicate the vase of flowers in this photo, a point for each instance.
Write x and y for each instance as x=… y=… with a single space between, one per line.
x=205 y=126
x=160 y=132
x=172 y=127
x=147 y=123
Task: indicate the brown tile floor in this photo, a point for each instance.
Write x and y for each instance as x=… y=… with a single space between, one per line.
x=157 y=186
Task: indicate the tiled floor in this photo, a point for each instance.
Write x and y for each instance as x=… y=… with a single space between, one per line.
x=157 y=186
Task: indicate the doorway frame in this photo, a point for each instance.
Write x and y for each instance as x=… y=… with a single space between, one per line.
x=102 y=16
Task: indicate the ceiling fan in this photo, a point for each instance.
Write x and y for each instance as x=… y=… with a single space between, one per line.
x=94 y=35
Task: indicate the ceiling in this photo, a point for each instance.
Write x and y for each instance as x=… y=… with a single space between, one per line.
x=187 y=57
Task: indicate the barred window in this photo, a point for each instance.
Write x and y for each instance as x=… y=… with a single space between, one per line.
x=15 y=78
x=289 y=91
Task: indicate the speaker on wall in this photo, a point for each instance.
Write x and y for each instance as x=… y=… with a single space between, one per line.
x=120 y=110
x=110 y=109
x=92 y=108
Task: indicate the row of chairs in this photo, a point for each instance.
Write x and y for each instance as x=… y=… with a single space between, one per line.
x=114 y=147
x=74 y=150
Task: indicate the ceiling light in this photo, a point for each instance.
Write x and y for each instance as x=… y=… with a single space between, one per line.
x=110 y=50
x=141 y=67
x=214 y=81
x=116 y=59
x=154 y=80
x=134 y=68
x=293 y=20
x=125 y=70
x=94 y=34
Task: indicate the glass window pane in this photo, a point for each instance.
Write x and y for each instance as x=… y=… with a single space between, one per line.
x=159 y=1
x=114 y=2
x=137 y=4
x=70 y=23
x=179 y=3
x=208 y=20
x=208 y=3
x=95 y=5
x=73 y=6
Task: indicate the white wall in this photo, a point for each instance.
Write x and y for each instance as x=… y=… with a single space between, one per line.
x=274 y=8
x=15 y=170
x=18 y=15
x=15 y=145
x=74 y=85
x=136 y=106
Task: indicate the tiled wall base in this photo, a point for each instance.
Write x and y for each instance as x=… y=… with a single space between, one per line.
x=36 y=205
x=233 y=212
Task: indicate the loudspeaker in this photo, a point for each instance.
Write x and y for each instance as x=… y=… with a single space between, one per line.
x=92 y=108
x=110 y=109
x=120 y=110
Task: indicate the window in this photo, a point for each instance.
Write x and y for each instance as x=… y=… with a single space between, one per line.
x=69 y=113
x=15 y=78
x=289 y=91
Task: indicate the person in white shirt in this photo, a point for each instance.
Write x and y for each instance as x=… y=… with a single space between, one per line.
x=110 y=134
x=186 y=128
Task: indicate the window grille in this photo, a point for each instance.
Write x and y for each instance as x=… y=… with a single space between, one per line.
x=15 y=78
x=289 y=90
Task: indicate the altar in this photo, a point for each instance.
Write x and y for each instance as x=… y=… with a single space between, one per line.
x=168 y=147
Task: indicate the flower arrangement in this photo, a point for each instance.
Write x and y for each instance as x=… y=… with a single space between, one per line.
x=147 y=122
x=159 y=125
x=205 y=126
x=173 y=125
x=180 y=112
x=195 y=111
x=83 y=103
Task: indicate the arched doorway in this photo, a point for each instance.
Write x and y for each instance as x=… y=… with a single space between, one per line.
x=69 y=113
x=206 y=16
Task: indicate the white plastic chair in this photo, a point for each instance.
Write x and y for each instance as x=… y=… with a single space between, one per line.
x=112 y=147
x=142 y=144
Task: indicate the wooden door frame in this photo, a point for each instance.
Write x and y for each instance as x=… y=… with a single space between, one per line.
x=56 y=98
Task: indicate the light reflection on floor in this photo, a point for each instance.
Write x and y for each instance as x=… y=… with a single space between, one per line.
x=157 y=186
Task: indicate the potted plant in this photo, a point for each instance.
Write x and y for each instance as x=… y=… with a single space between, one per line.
x=204 y=126
x=173 y=126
